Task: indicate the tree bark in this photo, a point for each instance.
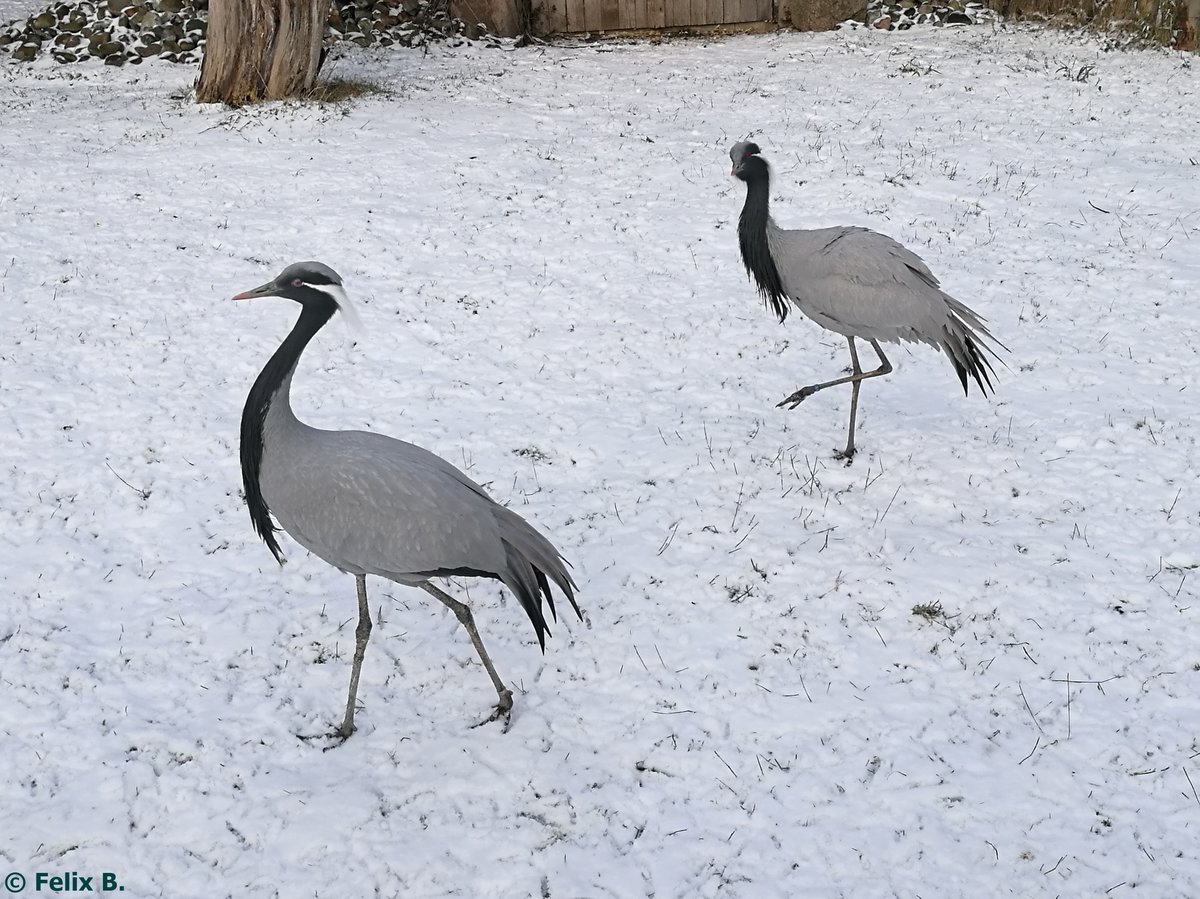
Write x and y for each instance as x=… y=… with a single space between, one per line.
x=261 y=50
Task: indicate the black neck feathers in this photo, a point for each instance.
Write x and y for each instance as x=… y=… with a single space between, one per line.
x=752 y=235
x=316 y=312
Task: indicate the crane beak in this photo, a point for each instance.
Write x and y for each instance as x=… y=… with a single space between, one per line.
x=270 y=289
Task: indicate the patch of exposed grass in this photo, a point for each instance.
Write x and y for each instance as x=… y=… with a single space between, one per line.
x=340 y=90
x=930 y=611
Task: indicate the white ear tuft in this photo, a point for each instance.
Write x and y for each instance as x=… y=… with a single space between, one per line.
x=349 y=313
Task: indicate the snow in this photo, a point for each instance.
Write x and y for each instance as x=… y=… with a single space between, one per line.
x=11 y=10
x=541 y=243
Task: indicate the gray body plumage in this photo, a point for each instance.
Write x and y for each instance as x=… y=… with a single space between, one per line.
x=860 y=283
x=371 y=504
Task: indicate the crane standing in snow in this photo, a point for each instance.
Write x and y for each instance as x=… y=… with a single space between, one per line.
x=370 y=504
x=857 y=283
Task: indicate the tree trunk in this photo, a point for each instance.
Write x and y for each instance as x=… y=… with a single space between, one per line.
x=261 y=50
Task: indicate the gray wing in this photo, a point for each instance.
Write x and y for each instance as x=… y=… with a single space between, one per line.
x=370 y=504
x=861 y=283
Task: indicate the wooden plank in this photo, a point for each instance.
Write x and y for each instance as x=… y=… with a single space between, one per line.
x=633 y=14
x=592 y=11
x=567 y=16
x=573 y=11
x=610 y=14
x=556 y=15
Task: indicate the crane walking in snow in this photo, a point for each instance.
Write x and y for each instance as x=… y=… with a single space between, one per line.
x=370 y=504
x=857 y=283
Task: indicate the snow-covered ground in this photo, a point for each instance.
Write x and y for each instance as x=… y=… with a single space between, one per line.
x=18 y=9
x=542 y=243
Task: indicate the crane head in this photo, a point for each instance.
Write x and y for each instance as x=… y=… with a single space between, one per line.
x=746 y=160
x=304 y=282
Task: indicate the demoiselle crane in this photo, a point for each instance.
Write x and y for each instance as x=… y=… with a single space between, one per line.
x=857 y=283
x=370 y=504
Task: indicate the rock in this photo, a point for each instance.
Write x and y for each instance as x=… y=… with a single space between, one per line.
x=26 y=52
x=68 y=41
x=883 y=23
x=116 y=59
x=186 y=44
x=149 y=50
x=64 y=56
x=107 y=49
x=165 y=6
x=44 y=21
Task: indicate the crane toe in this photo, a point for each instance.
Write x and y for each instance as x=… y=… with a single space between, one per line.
x=798 y=397
x=502 y=712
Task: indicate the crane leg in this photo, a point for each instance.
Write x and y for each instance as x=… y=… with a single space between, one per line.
x=463 y=613
x=856 y=377
x=361 y=635
x=848 y=453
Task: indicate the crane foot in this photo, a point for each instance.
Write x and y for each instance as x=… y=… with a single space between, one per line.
x=502 y=712
x=798 y=397
x=336 y=738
